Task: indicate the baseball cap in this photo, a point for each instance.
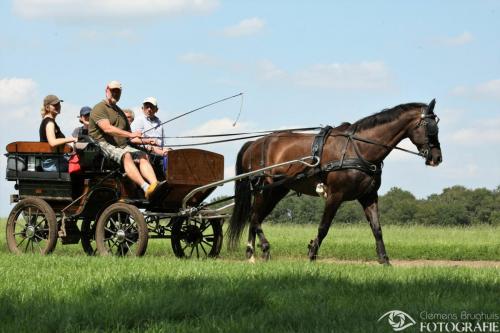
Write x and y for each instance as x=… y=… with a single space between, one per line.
x=51 y=100
x=114 y=85
x=151 y=100
x=85 y=111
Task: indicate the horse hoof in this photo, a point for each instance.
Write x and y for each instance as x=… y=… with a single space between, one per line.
x=384 y=262
x=266 y=256
x=251 y=260
x=249 y=253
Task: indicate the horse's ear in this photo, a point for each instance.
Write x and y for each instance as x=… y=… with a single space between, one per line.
x=430 y=108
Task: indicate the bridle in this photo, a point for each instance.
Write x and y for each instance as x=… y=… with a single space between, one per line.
x=429 y=121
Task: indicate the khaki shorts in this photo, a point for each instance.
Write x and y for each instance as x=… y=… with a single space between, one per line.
x=116 y=153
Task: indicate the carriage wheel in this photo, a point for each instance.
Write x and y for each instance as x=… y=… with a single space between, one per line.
x=121 y=231
x=32 y=227
x=196 y=237
x=88 y=236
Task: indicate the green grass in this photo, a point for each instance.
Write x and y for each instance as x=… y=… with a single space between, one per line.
x=69 y=291
x=352 y=242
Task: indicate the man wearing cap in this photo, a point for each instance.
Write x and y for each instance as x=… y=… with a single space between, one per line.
x=83 y=130
x=149 y=124
x=109 y=126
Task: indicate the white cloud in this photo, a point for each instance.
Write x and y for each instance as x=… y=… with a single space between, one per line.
x=269 y=71
x=106 y=9
x=462 y=39
x=229 y=171
x=467 y=171
x=106 y=36
x=199 y=59
x=398 y=155
x=217 y=126
x=246 y=27
x=476 y=136
x=364 y=76
x=17 y=91
x=208 y=60
x=488 y=89
x=21 y=98
x=347 y=76
x=484 y=130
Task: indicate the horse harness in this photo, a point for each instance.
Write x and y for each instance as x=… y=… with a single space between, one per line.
x=358 y=163
x=322 y=170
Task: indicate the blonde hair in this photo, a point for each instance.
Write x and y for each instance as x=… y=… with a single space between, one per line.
x=44 y=111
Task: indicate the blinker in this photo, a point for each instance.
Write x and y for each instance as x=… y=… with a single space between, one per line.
x=432 y=128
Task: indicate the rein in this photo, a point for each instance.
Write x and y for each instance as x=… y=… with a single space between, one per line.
x=253 y=135
x=235 y=134
x=357 y=138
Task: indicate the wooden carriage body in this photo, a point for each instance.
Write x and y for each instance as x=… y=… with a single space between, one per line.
x=100 y=182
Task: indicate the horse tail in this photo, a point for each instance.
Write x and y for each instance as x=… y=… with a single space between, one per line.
x=242 y=202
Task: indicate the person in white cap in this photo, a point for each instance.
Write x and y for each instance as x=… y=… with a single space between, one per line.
x=108 y=125
x=148 y=122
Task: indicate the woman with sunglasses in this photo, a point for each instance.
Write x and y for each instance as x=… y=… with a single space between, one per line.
x=51 y=133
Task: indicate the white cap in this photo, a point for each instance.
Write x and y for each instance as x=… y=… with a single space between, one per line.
x=114 y=85
x=151 y=100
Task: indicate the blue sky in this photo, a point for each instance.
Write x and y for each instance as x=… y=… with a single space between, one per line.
x=299 y=64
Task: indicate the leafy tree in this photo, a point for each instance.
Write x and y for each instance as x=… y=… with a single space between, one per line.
x=456 y=206
x=350 y=212
x=398 y=207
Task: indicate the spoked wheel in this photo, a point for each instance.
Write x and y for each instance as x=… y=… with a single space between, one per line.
x=88 y=236
x=194 y=237
x=32 y=227
x=121 y=231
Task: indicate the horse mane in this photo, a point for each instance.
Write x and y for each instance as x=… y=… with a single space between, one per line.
x=386 y=115
x=342 y=127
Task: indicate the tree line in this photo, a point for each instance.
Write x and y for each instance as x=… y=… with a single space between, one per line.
x=455 y=206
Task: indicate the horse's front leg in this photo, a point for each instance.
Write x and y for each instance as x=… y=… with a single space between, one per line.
x=332 y=204
x=370 y=206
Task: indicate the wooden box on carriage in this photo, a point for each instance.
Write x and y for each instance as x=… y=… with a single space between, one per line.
x=188 y=169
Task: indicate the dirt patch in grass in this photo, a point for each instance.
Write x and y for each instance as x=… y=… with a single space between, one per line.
x=423 y=263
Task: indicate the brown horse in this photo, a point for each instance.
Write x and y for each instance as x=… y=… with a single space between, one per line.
x=349 y=168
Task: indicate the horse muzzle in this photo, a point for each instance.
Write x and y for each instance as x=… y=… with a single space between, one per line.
x=432 y=156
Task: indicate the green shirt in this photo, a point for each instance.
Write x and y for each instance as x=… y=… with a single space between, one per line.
x=116 y=117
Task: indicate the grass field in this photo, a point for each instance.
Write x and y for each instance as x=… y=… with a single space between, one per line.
x=69 y=291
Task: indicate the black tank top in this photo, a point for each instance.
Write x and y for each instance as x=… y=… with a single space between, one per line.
x=43 y=130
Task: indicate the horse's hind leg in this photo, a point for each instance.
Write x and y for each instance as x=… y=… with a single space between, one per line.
x=251 y=244
x=264 y=203
x=331 y=206
x=370 y=206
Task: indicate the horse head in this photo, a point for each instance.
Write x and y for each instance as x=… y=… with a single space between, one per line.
x=425 y=135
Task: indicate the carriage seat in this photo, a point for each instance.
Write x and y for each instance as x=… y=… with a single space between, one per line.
x=24 y=160
x=36 y=147
x=92 y=159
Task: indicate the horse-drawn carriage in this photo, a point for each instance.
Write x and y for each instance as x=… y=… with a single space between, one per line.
x=101 y=208
x=341 y=164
